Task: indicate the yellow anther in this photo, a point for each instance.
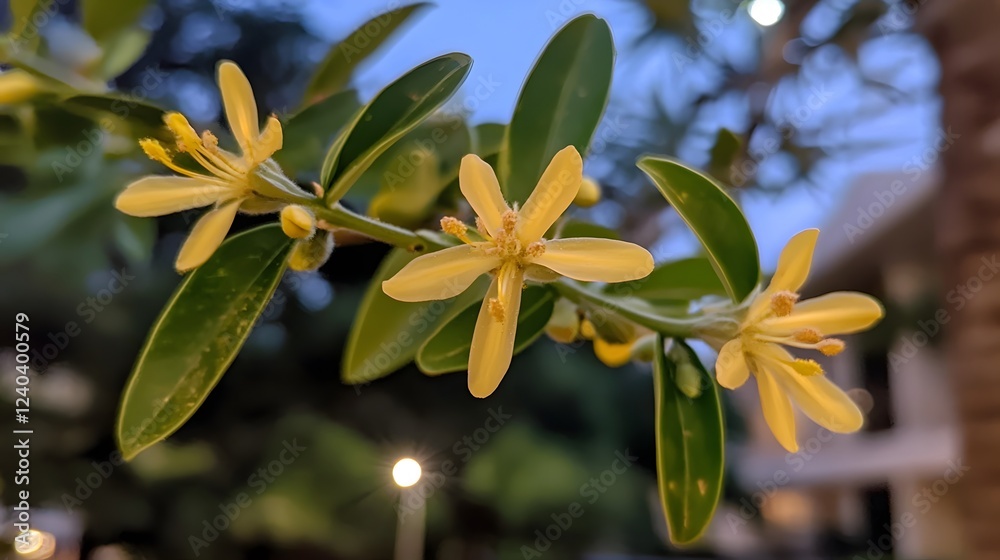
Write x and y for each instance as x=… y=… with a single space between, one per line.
x=807 y=335
x=210 y=141
x=509 y=221
x=187 y=138
x=496 y=309
x=454 y=226
x=807 y=368
x=535 y=249
x=831 y=346
x=154 y=150
x=782 y=302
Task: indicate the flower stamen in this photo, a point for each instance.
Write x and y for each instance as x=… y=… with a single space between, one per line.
x=831 y=346
x=806 y=368
x=455 y=227
x=782 y=302
x=807 y=335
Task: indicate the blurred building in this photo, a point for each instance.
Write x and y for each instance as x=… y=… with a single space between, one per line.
x=884 y=492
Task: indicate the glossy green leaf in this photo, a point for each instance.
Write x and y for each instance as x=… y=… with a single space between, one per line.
x=448 y=348
x=578 y=228
x=145 y=117
x=104 y=18
x=560 y=104
x=334 y=72
x=396 y=110
x=387 y=333
x=198 y=334
x=307 y=133
x=487 y=141
x=714 y=218
x=723 y=154
x=682 y=280
x=689 y=447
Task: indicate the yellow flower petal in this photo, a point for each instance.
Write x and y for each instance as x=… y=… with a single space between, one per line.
x=439 y=275
x=778 y=412
x=794 y=262
x=831 y=314
x=240 y=105
x=480 y=187
x=596 y=260
x=611 y=354
x=270 y=139
x=554 y=193
x=493 y=340
x=818 y=397
x=207 y=235
x=159 y=195
x=17 y=86
x=731 y=367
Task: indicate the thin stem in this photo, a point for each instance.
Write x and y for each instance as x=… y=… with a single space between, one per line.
x=373 y=228
x=670 y=327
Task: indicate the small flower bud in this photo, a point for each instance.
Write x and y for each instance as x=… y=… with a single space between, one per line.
x=688 y=380
x=611 y=354
x=644 y=349
x=587 y=329
x=297 y=222
x=589 y=194
x=564 y=325
x=310 y=254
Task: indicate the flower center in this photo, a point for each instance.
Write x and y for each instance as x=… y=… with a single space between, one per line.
x=203 y=149
x=505 y=244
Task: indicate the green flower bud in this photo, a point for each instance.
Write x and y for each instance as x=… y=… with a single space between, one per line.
x=688 y=380
x=564 y=325
x=311 y=253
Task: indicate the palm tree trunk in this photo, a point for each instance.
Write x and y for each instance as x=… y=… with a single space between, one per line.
x=966 y=36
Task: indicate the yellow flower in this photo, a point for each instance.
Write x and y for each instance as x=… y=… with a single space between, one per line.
x=250 y=181
x=512 y=250
x=775 y=318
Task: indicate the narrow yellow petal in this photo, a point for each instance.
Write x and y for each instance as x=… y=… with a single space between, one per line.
x=596 y=260
x=794 y=262
x=207 y=235
x=831 y=314
x=17 y=86
x=778 y=412
x=439 y=275
x=818 y=397
x=480 y=187
x=493 y=340
x=270 y=139
x=731 y=367
x=240 y=105
x=554 y=193
x=160 y=195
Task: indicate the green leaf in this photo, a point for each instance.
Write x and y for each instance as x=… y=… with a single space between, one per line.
x=308 y=132
x=104 y=18
x=560 y=104
x=146 y=118
x=335 y=71
x=724 y=151
x=386 y=333
x=396 y=110
x=689 y=447
x=447 y=350
x=487 y=141
x=20 y=17
x=714 y=218
x=577 y=228
x=682 y=280
x=197 y=336
x=122 y=50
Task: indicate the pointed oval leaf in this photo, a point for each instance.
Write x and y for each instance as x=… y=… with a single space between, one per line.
x=333 y=73
x=197 y=336
x=560 y=104
x=309 y=132
x=386 y=333
x=714 y=218
x=689 y=448
x=396 y=110
x=447 y=350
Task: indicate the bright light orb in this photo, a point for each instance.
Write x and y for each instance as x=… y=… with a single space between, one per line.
x=766 y=12
x=406 y=472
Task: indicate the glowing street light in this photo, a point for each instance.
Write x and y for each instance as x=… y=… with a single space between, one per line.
x=412 y=511
x=766 y=12
x=406 y=472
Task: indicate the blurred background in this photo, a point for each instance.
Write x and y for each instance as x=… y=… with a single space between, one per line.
x=874 y=120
